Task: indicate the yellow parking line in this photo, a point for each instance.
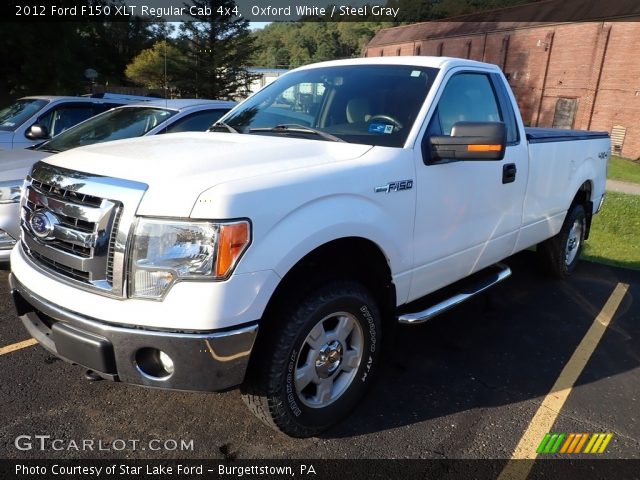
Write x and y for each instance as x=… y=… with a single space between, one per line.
x=17 y=346
x=521 y=462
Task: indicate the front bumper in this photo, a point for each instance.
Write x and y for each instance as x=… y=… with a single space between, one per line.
x=202 y=361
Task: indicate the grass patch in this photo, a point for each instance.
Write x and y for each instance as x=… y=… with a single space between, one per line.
x=615 y=232
x=624 y=170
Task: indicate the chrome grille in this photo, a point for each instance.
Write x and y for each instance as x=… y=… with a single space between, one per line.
x=64 y=194
x=59 y=267
x=112 y=246
x=76 y=225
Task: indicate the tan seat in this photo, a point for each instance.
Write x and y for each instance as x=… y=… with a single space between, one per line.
x=358 y=110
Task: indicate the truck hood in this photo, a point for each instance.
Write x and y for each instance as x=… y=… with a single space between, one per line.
x=178 y=167
x=16 y=164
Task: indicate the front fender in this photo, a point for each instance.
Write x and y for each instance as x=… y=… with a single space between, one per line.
x=329 y=218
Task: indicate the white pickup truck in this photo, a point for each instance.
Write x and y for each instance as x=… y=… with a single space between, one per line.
x=276 y=251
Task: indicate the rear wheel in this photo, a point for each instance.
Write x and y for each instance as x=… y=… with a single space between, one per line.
x=560 y=254
x=316 y=361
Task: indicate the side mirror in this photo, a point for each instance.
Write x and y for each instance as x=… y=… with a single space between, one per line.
x=37 y=132
x=471 y=141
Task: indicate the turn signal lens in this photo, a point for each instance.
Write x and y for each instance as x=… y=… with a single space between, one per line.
x=233 y=240
x=484 y=148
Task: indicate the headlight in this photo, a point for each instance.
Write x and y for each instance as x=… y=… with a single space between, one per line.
x=10 y=191
x=165 y=251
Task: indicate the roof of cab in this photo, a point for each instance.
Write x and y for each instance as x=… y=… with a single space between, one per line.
x=418 y=61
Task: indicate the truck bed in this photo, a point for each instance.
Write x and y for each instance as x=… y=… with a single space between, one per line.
x=547 y=135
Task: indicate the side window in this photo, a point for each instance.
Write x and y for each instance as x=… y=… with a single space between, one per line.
x=195 y=122
x=59 y=119
x=467 y=97
x=513 y=135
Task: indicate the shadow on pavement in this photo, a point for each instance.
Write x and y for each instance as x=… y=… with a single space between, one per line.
x=506 y=346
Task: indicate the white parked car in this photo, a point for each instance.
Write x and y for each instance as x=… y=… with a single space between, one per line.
x=276 y=253
x=149 y=118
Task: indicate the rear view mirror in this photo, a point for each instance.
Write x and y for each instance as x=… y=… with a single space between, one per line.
x=471 y=141
x=37 y=132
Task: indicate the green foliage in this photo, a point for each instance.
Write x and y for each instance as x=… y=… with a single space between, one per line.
x=217 y=47
x=51 y=57
x=417 y=10
x=148 y=68
x=615 y=232
x=624 y=170
x=289 y=45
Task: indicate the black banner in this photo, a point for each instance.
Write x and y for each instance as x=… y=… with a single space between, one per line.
x=398 y=11
x=444 y=469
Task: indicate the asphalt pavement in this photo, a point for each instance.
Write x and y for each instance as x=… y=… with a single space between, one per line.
x=465 y=385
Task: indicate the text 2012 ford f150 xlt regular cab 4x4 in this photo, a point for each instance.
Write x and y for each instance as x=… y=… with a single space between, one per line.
x=275 y=251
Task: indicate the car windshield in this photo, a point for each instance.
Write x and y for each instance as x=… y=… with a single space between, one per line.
x=369 y=104
x=14 y=115
x=116 y=124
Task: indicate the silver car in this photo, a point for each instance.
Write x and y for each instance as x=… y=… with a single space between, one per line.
x=129 y=121
x=30 y=120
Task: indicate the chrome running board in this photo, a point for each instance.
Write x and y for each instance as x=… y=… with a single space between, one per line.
x=467 y=292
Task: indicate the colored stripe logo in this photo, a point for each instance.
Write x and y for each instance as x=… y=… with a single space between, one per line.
x=574 y=443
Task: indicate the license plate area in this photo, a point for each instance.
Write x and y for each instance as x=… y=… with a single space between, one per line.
x=86 y=349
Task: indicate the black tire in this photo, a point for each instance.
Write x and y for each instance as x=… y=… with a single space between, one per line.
x=559 y=255
x=284 y=352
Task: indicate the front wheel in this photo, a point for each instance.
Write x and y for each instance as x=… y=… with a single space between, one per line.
x=560 y=254
x=316 y=361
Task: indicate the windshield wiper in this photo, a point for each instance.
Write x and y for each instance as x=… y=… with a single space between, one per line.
x=227 y=127
x=296 y=128
x=37 y=146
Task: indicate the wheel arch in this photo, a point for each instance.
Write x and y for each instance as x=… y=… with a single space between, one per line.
x=584 y=197
x=355 y=258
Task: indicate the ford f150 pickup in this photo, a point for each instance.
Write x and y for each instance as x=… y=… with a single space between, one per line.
x=276 y=251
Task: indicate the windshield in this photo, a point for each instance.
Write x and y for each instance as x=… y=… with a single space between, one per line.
x=370 y=104
x=13 y=116
x=116 y=124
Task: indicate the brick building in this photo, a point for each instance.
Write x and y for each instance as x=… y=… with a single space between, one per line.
x=583 y=75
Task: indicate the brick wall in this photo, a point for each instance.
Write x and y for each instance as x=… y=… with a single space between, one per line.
x=595 y=67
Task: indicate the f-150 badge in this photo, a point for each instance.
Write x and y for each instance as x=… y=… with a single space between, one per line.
x=396 y=186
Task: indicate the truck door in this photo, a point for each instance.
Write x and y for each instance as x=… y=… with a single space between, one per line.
x=468 y=213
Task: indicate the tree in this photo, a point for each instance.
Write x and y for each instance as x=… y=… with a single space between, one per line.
x=219 y=47
x=159 y=67
x=293 y=44
x=50 y=57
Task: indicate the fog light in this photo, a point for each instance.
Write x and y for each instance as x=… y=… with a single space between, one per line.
x=166 y=362
x=154 y=363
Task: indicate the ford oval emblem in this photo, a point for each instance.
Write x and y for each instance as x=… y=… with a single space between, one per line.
x=43 y=224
